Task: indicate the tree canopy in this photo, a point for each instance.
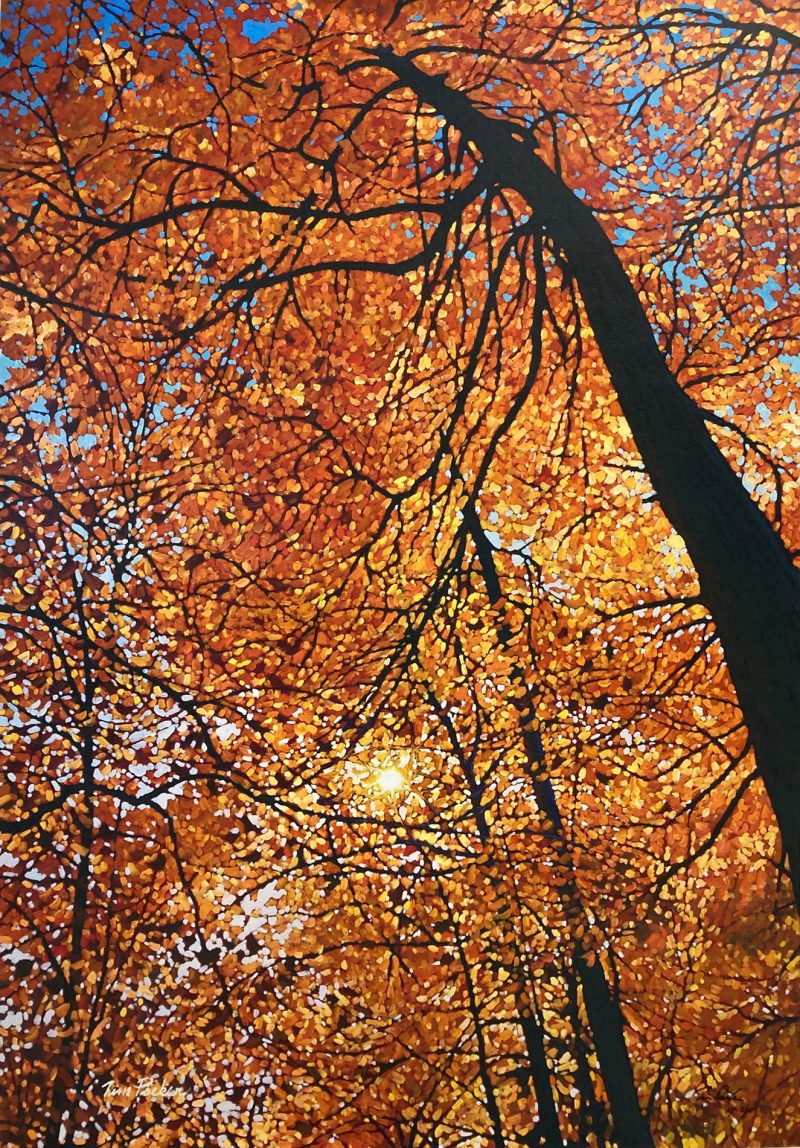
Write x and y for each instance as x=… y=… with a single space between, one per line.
x=400 y=612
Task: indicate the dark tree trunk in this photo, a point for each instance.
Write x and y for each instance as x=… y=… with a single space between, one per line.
x=547 y=1133
x=747 y=578
x=602 y=1007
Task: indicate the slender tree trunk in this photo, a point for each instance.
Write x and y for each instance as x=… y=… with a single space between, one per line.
x=61 y=1121
x=602 y=1008
x=593 y=1116
x=546 y=1132
x=484 y=1071
x=61 y=1108
x=747 y=578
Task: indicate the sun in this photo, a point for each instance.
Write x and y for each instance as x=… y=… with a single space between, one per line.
x=391 y=780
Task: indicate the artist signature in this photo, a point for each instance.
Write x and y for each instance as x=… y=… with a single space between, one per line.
x=147 y=1088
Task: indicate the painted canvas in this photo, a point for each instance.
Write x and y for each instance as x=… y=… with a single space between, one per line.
x=400 y=601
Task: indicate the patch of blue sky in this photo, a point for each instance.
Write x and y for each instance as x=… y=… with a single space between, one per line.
x=38 y=410
x=257 y=30
x=492 y=535
x=637 y=95
x=766 y=292
x=764 y=413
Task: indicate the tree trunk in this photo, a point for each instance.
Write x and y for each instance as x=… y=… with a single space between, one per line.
x=747 y=578
x=602 y=1008
x=547 y=1133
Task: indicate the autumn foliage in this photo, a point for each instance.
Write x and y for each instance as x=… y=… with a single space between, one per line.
x=396 y=720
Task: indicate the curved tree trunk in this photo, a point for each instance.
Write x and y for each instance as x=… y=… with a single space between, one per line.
x=747 y=578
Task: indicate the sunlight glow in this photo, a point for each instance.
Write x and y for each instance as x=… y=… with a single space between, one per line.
x=391 y=780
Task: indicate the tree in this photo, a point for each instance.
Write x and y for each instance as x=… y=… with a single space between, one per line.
x=747 y=577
